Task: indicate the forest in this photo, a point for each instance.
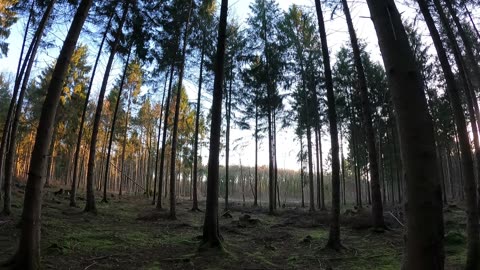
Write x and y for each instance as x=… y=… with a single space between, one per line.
x=260 y=134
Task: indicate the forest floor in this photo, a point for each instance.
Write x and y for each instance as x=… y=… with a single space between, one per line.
x=130 y=234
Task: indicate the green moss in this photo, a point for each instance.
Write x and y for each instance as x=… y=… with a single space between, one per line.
x=259 y=257
x=319 y=234
x=154 y=266
x=455 y=238
x=381 y=262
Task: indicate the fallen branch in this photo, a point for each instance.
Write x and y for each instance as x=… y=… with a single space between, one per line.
x=126 y=176
x=399 y=222
x=86 y=268
x=100 y=258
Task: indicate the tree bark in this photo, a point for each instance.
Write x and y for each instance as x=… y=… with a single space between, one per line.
x=197 y=129
x=310 y=170
x=334 y=233
x=228 y=107
x=158 y=141
x=211 y=234
x=255 y=202
x=424 y=240
x=173 y=156
x=164 y=139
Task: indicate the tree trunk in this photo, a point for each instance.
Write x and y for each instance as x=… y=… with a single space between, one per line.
x=173 y=156
x=197 y=128
x=377 y=206
x=12 y=142
x=228 y=108
x=310 y=170
x=334 y=234
x=27 y=255
x=471 y=21
x=164 y=139
x=255 y=202
x=424 y=240
x=343 y=169
x=317 y=142
x=475 y=73
x=112 y=129
x=73 y=192
x=301 y=171
x=473 y=247
x=90 y=202
x=158 y=141
x=211 y=234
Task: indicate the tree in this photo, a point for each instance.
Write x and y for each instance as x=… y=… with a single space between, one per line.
x=211 y=235
x=264 y=45
x=424 y=240
x=90 y=203
x=300 y=35
x=377 y=205
x=28 y=252
x=73 y=192
x=11 y=150
x=334 y=234
x=204 y=23
x=114 y=120
x=173 y=155
x=473 y=231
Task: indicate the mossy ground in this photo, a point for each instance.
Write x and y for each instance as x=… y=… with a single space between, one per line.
x=129 y=233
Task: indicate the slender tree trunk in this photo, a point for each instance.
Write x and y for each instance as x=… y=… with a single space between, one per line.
x=310 y=170
x=343 y=169
x=27 y=255
x=112 y=129
x=424 y=240
x=51 y=155
x=211 y=234
x=12 y=147
x=90 y=202
x=301 y=171
x=73 y=192
x=255 y=203
x=317 y=141
x=164 y=139
x=377 y=206
x=275 y=173
x=322 y=175
x=228 y=107
x=334 y=234
x=469 y=14
x=158 y=141
x=173 y=156
x=197 y=129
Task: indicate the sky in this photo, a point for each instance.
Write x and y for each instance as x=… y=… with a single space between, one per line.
x=288 y=145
